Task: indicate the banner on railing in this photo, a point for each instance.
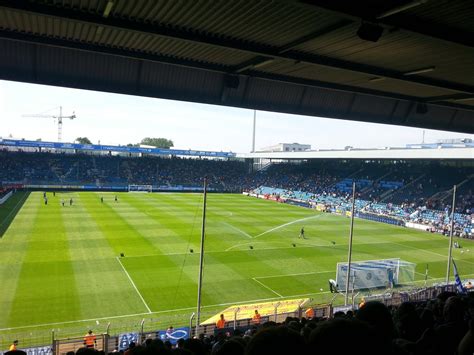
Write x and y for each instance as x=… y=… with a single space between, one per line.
x=125 y=339
x=174 y=335
x=39 y=350
x=111 y=148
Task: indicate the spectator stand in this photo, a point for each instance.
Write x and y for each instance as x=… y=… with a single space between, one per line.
x=380 y=212
x=394 y=299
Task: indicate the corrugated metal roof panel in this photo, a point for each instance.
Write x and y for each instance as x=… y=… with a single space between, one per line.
x=157 y=78
x=274 y=93
x=456 y=14
x=397 y=50
x=247 y=20
x=327 y=101
x=257 y=30
x=414 y=90
x=51 y=61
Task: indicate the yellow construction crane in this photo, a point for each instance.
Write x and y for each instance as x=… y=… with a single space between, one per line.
x=58 y=117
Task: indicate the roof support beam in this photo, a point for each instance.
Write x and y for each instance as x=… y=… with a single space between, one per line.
x=259 y=61
x=354 y=11
x=54 y=42
x=455 y=97
x=313 y=35
x=257 y=49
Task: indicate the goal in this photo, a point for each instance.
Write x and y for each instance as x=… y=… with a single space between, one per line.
x=376 y=273
x=140 y=188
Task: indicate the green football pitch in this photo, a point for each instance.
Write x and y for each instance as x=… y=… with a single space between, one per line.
x=60 y=266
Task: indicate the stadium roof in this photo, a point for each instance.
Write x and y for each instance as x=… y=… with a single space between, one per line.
x=395 y=61
x=387 y=153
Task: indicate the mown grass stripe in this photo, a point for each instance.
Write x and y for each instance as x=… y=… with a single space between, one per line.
x=12 y=253
x=156 y=231
x=46 y=280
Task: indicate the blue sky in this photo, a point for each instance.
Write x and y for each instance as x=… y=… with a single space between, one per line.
x=122 y=119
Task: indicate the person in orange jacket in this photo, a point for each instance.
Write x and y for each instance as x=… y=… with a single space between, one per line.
x=90 y=339
x=220 y=324
x=256 y=317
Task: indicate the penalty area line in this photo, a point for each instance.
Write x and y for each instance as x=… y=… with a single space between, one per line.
x=302 y=273
x=268 y=288
x=237 y=230
x=133 y=284
x=287 y=224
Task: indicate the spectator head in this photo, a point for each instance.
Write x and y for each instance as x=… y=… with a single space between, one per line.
x=330 y=336
x=275 y=341
x=234 y=346
x=378 y=317
x=454 y=309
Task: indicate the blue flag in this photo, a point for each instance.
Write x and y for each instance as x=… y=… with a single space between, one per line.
x=458 y=282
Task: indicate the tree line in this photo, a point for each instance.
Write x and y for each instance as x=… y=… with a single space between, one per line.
x=154 y=142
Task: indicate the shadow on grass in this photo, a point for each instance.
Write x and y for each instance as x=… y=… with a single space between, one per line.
x=9 y=209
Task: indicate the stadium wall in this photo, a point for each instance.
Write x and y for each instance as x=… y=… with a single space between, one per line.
x=382 y=219
x=6 y=197
x=368 y=216
x=113 y=188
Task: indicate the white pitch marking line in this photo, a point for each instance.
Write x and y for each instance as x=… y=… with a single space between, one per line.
x=134 y=286
x=268 y=288
x=430 y=252
x=303 y=273
x=304 y=245
x=238 y=230
x=161 y=312
x=287 y=224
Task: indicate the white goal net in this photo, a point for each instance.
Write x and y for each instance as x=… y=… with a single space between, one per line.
x=375 y=273
x=140 y=188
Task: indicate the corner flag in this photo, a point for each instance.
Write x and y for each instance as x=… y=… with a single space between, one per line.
x=458 y=282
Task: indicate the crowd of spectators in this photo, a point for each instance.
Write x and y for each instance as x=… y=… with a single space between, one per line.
x=415 y=191
x=441 y=326
x=63 y=169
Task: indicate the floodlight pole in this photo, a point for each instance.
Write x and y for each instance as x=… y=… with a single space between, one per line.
x=201 y=256
x=349 y=256
x=450 y=252
x=253 y=132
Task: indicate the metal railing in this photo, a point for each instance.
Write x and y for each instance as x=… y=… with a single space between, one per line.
x=71 y=339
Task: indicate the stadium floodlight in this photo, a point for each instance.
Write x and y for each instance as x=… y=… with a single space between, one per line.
x=400 y=8
x=419 y=71
x=376 y=79
x=264 y=63
x=108 y=8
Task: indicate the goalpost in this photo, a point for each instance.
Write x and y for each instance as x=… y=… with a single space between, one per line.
x=376 y=273
x=140 y=188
